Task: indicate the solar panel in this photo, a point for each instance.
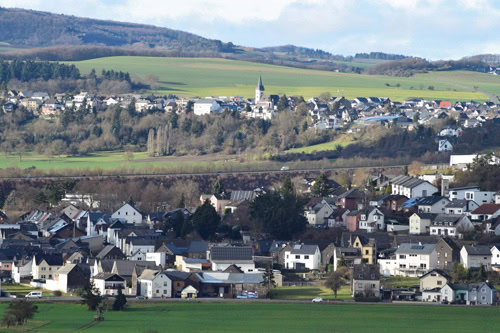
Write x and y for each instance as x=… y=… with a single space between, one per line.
x=417 y=247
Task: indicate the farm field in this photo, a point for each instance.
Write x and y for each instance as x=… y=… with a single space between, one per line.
x=221 y=77
x=265 y=317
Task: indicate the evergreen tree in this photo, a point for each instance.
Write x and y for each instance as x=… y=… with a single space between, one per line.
x=120 y=301
x=321 y=188
x=206 y=220
x=217 y=188
x=287 y=189
x=90 y=296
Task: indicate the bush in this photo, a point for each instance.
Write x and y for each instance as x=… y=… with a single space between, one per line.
x=57 y=293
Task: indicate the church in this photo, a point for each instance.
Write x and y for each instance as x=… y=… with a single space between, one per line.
x=264 y=106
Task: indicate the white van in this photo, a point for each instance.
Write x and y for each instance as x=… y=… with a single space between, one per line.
x=34 y=294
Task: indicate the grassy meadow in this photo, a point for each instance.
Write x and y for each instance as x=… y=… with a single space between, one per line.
x=221 y=77
x=265 y=317
x=310 y=292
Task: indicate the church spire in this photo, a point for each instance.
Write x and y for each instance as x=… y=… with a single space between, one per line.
x=260 y=85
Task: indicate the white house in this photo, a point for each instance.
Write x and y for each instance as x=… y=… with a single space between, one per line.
x=155 y=283
x=221 y=257
x=461 y=207
x=451 y=131
x=319 y=213
x=108 y=284
x=412 y=187
x=21 y=270
x=371 y=220
x=459 y=193
x=303 y=257
x=475 y=256
x=415 y=259
x=432 y=204
x=448 y=225
x=206 y=106
x=420 y=223
x=129 y=214
x=444 y=146
x=495 y=255
x=485 y=212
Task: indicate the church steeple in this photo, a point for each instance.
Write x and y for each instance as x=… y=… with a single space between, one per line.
x=259 y=91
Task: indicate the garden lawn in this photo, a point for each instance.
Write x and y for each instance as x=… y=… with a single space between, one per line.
x=222 y=77
x=310 y=292
x=260 y=317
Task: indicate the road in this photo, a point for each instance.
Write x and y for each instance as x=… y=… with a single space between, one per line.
x=181 y=174
x=133 y=300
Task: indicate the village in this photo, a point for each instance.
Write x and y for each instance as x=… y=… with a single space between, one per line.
x=415 y=228
x=324 y=113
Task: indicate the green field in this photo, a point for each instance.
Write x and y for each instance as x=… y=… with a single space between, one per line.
x=342 y=141
x=259 y=317
x=220 y=77
x=310 y=292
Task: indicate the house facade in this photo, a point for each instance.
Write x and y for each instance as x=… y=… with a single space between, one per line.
x=301 y=257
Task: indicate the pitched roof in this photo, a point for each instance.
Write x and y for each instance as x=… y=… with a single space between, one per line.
x=408 y=248
x=218 y=253
x=50 y=259
x=447 y=219
x=107 y=276
x=304 y=249
x=430 y=200
x=366 y=272
x=478 y=250
x=487 y=209
x=197 y=246
x=438 y=271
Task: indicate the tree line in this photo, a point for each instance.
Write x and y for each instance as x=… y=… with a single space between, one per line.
x=32 y=70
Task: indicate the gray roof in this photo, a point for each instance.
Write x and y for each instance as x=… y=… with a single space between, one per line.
x=478 y=250
x=242 y=195
x=408 y=248
x=457 y=204
x=304 y=249
x=407 y=181
x=430 y=201
x=197 y=246
x=447 y=219
x=218 y=253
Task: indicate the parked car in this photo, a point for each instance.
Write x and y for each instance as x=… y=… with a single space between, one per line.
x=140 y=297
x=317 y=300
x=34 y=294
x=285 y=168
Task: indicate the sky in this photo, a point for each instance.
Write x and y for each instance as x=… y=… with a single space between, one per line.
x=433 y=29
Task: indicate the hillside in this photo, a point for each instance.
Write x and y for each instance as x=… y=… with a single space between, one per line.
x=221 y=77
x=28 y=34
x=27 y=28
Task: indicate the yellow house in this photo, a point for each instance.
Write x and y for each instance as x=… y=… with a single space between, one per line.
x=368 y=248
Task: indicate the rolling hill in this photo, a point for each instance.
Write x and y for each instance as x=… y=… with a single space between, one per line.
x=221 y=77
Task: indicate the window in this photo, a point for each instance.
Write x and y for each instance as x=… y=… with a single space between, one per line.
x=165 y=284
x=439 y=283
x=157 y=291
x=297 y=257
x=126 y=213
x=402 y=256
x=164 y=291
x=50 y=276
x=402 y=265
x=446 y=254
x=306 y=257
x=483 y=298
x=43 y=268
x=43 y=276
x=483 y=290
x=367 y=251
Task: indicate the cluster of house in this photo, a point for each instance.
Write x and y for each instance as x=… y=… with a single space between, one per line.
x=125 y=250
x=335 y=113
